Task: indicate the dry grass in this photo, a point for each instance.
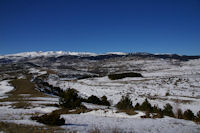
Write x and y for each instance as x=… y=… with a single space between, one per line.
x=24 y=86
x=24 y=89
x=156 y=98
x=128 y=111
x=67 y=111
x=95 y=130
x=110 y=130
x=181 y=101
x=171 y=99
x=22 y=104
x=49 y=71
x=19 y=128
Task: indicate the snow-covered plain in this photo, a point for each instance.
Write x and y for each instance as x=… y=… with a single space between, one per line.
x=164 y=81
x=87 y=122
x=22 y=116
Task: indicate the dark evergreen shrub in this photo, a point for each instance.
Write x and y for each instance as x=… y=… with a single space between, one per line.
x=46 y=87
x=52 y=119
x=123 y=75
x=168 y=110
x=160 y=113
x=70 y=99
x=188 y=115
x=179 y=114
x=124 y=103
x=155 y=109
x=197 y=118
x=167 y=94
x=147 y=114
x=137 y=106
x=57 y=91
x=198 y=114
x=105 y=101
x=146 y=106
x=94 y=99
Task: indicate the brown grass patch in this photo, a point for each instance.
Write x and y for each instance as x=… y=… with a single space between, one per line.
x=24 y=89
x=49 y=71
x=181 y=101
x=128 y=111
x=76 y=111
x=95 y=130
x=24 y=86
x=20 y=128
x=22 y=104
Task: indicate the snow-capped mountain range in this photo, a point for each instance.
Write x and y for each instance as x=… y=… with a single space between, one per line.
x=48 y=53
x=90 y=56
x=55 y=54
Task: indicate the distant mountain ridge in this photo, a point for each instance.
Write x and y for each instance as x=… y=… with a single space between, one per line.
x=48 y=53
x=90 y=56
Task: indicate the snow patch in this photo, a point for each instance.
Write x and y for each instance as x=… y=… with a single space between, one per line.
x=5 y=87
x=113 y=113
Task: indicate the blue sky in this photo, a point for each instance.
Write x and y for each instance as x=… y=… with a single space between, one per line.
x=155 y=26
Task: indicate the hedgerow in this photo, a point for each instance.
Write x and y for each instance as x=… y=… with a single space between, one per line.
x=124 y=75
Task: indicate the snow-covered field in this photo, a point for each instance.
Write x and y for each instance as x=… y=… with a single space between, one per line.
x=180 y=84
x=88 y=121
x=164 y=82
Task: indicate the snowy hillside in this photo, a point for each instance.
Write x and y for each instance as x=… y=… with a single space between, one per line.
x=31 y=84
x=182 y=84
